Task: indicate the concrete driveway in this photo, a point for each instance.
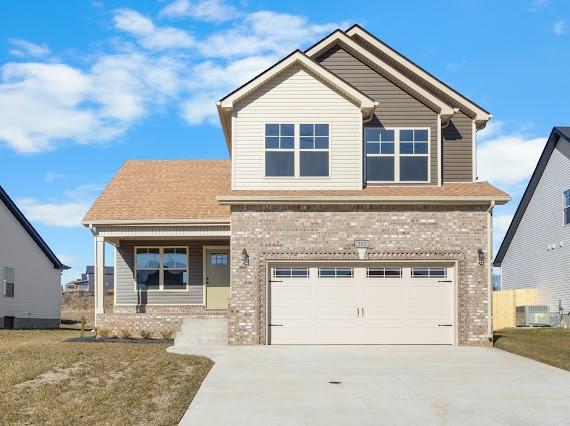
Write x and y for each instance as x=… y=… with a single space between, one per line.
x=389 y=385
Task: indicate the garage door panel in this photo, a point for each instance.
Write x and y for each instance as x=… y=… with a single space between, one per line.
x=363 y=310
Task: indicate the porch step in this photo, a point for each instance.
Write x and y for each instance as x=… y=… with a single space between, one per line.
x=202 y=332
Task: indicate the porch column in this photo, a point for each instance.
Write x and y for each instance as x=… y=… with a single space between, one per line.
x=99 y=275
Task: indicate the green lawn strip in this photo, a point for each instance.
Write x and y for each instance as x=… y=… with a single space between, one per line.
x=548 y=345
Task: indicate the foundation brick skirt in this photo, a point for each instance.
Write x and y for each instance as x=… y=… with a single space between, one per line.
x=153 y=318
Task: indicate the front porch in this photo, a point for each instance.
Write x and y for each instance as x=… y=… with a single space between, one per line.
x=164 y=273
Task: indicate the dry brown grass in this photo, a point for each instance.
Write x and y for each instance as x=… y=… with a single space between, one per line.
x=46 y=380
x=548 y=345
x=74 y=306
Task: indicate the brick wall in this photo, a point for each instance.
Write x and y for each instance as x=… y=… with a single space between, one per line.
x=271 y=233
x=153 y=317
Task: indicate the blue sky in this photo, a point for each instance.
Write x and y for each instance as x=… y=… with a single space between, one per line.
x=86 y=85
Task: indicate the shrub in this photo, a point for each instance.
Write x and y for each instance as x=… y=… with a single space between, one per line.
x=103 y=332
x=126 y=333
x=167 y=334
x=146 y=334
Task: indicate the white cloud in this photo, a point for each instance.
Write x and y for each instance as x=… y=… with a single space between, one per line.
x=493 y=128
x=501 y=224
x=509 y=159
x=44 y=105
x=51 y=176
x=264 y=32
x=537 y=5
x=23 y=48
x=66 y=212
x=452 y=66
x=149 y=35
x=204 y=10
x=66 y=215
x=560 y=27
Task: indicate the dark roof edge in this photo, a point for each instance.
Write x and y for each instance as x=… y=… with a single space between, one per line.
x=553 y=139
x=31 y=230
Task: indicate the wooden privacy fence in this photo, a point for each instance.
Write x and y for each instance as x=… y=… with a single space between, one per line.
x=505 y=303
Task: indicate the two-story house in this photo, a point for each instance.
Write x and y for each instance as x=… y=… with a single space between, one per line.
x=349 y=211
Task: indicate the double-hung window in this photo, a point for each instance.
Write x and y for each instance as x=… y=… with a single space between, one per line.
x=380 y=154
x=314 y=149
x=396 y=155
x=279 y=150
x=414 y=155
x=567 y=207
x=161 y=268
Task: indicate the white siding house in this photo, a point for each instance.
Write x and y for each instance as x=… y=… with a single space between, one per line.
x=536 y=249
x=30 y=273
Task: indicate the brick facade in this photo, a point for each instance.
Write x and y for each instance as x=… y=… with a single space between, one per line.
x=276 y=233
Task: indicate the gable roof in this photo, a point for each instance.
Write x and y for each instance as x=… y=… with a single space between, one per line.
x=480 y=114
x=557 y=134
x=408 y=85
x=164 y=191
x=226 y=104
x=30 y=230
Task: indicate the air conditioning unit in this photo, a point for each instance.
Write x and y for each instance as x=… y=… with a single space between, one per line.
x=533 y=316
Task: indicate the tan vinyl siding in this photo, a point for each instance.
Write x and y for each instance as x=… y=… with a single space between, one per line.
x=125 y=290
x=396 y=108
x=37 y=284
x=530 y=261
x=296 y=96
x=457 y=152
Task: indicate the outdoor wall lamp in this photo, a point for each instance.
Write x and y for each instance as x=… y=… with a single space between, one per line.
x=481 y=253
x=244 y=257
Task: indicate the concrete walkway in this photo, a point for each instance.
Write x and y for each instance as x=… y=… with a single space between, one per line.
x=388 y=385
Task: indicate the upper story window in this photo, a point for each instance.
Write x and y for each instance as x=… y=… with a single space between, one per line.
x=314 y=149
x=288 y=156
x=279 y=150
x=397 y=155
x=567 y=207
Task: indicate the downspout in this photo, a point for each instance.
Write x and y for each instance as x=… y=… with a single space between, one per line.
x=490 y=271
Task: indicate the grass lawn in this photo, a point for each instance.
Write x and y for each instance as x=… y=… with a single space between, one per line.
x=548 y=345
x=75 y=306
x=45 y=380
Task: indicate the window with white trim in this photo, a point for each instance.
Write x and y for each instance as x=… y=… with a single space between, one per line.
x=337 y=272
x=8 y=282
x=414 y=161
x=380 y=154
x=161 y=268
x=396 y=155
x=567 y=207
x=429 y=272
x=384 y=272
x=279 y=150
x=314 y=149
x=290 y=272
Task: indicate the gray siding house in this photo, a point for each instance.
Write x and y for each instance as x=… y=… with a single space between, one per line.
x=30 y=273
x=349 y=211
x=535 y=252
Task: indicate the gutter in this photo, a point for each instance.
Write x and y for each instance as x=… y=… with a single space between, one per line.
x=356 y=199
x=156 y=222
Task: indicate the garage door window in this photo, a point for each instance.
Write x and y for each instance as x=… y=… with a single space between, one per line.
x=384 y=273
x=291 y=272
x=336 y=273
x=429 y=272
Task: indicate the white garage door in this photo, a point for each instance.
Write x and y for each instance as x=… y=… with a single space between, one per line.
x=379 y=304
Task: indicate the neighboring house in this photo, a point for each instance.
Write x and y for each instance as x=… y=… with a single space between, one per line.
x=348 y=212
x=535 y=252
x=77 y=286
x=30 y=273
x=89 y=278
